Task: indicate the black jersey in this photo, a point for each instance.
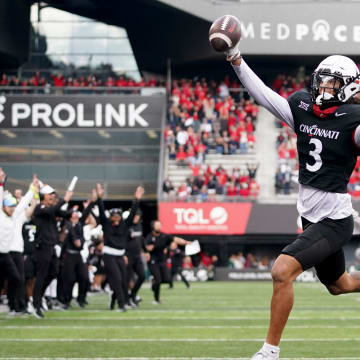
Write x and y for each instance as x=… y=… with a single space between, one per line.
x=161 y=242
x=327 y=154
x=28 y=233
x=135 y=240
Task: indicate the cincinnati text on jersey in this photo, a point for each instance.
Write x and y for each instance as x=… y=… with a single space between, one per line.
x=314 y=130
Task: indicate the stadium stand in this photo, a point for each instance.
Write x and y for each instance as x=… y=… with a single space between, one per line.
x=210 y=142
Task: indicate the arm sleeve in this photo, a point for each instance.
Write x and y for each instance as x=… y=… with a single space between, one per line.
x=130 y=218
x=86 y=212
x=102 y=215
x=263 y=95
x=24 y=202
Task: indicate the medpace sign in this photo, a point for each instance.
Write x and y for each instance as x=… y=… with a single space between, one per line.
x=79 y=111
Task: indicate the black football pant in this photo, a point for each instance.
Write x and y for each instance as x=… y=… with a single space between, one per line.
x=135 y=265
x=16 y=289
x=8 y=270
x=47 y=266
x=74 y=270
x=115 y=270
x=160 y=273
x=175 y=270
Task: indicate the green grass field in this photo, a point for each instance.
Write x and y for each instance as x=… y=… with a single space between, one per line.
x=212 y=320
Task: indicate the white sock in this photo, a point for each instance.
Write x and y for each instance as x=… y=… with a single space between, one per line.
x=271 y=348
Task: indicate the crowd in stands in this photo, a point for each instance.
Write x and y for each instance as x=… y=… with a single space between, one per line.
x=206 y=117
x=208 y=185
x=58 y=80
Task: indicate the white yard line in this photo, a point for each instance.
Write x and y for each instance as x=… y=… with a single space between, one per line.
x=166 y=358
x=175 y=340
x=90 y=327
x=124 y=317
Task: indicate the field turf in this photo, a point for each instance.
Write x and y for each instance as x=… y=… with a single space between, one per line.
x=212 y=320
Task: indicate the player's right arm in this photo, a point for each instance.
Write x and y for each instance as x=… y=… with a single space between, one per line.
x=263 y=95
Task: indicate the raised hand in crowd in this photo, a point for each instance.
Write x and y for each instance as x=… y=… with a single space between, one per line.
x=99 y=190
x=139 y=192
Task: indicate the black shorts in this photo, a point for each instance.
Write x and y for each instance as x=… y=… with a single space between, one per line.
x=29 y=266
x=320 y=245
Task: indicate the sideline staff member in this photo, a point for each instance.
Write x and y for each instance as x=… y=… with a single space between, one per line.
x=46 y=237
x=156 y=243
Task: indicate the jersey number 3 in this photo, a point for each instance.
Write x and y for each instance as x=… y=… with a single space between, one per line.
x=316 y=155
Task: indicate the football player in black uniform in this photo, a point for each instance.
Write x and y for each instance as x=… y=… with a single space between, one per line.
x=176 y=256
x=74 y=269
x=156 y=244
x=133 y=253
x=327 y=124
x=116 y=233
x=28 y=232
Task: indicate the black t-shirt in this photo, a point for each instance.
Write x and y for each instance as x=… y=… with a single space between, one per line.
x=327 y=154
x=161 y=242
x=28 y=233
x=116 y=236
x=135 y=240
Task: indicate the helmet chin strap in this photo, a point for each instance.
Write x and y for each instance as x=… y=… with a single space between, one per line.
x=322 y=97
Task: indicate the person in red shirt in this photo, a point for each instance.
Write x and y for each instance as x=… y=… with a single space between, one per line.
x=251 y=141
x=109 y=82
x=356 y=192
x=222 y=178
x=244 y=190
x=151 y=82
x=254 y=189
x=231 y=189
x=121 y=82
x=4 y=80
x=181 y=156
x=131 y=83
x=141 y=83
x=59 y=80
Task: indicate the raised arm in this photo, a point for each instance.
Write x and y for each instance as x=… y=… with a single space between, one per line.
x=28 y=197
x=102 y=216
x=263 y=95
x=88 y=206
x=135 y=205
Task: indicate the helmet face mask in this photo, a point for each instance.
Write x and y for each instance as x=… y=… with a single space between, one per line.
x=326 y=88
x=331 y=80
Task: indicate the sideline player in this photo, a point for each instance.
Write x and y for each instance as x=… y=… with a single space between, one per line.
x=156 y=243
x=326 y=122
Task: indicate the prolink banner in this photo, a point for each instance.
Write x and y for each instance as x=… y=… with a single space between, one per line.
x=81 y=111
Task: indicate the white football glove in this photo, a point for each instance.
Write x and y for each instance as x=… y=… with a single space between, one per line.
x=233 y=53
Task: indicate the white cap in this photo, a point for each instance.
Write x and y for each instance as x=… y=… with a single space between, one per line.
x=47 y=189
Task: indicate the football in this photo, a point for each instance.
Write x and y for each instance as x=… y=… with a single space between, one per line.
x=224 y=33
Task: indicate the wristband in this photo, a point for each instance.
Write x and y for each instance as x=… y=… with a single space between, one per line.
x=34 y=190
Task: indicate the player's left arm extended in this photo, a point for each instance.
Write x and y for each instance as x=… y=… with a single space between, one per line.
x=263 y=95
x=181 y=241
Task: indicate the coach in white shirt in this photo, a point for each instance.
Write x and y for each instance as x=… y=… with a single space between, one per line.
x=22 y=214
x=10 y=214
